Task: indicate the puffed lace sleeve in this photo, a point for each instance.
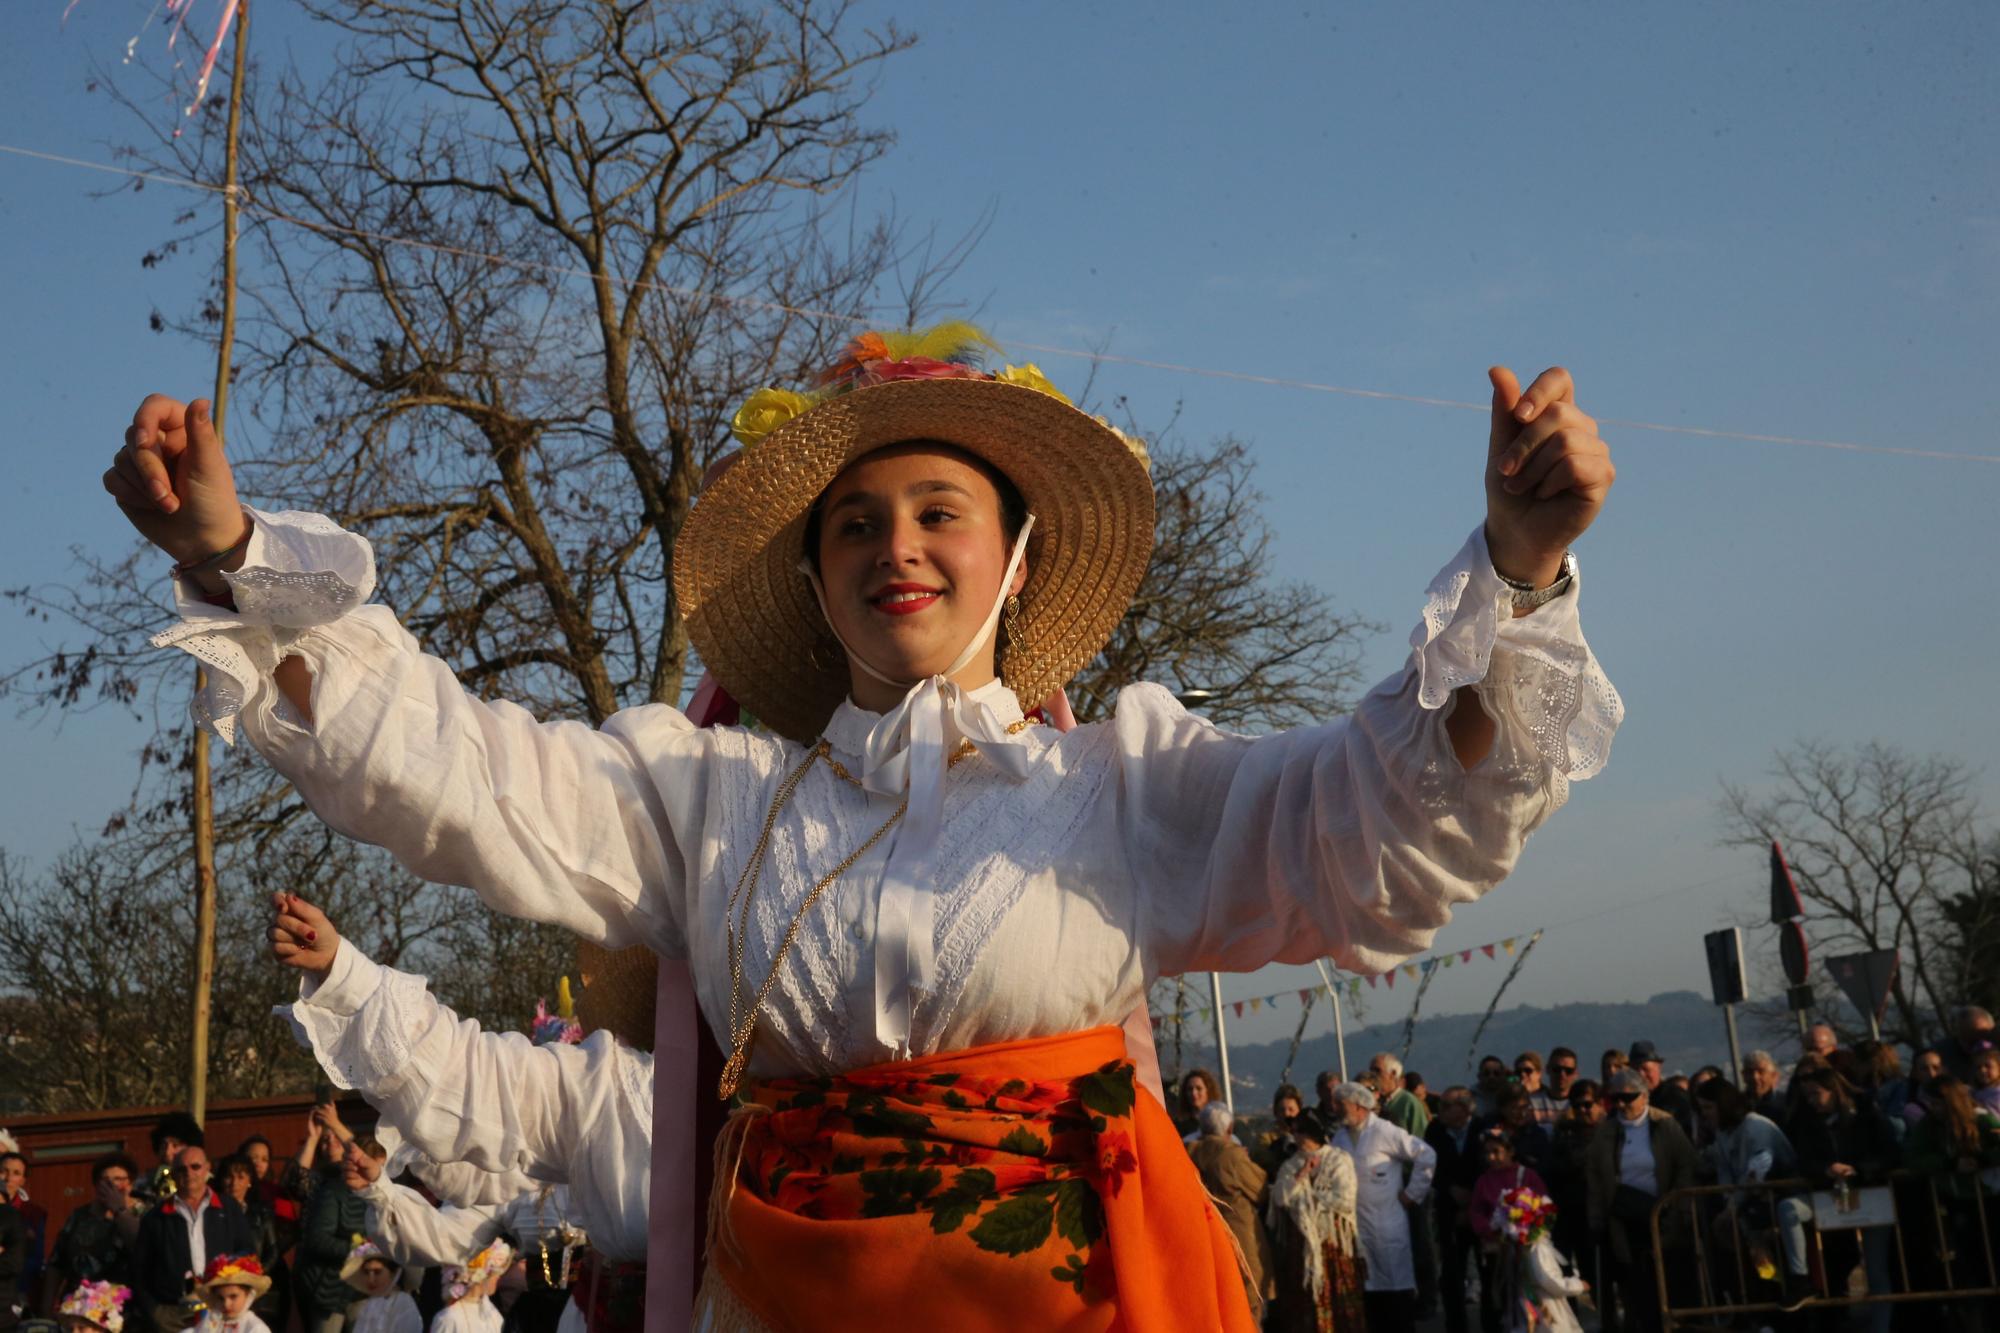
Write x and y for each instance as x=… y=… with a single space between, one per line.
x=457 y=1093
x=412 y=1230
x=555 y=821
x=1354 y=840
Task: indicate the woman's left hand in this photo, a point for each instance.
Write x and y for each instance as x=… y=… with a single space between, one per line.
x=1547 y=473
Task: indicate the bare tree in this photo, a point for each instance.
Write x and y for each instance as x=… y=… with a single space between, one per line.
x=97 y=955
x=1211 y=617
x=1890 y=851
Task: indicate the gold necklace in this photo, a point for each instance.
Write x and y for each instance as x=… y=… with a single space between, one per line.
x=742 y=1023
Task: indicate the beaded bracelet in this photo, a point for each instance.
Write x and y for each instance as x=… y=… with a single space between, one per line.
x=202 y=566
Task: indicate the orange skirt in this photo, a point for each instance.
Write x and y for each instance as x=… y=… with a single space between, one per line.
x=1024 y=1185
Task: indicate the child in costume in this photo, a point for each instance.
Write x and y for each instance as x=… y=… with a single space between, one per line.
x=94 y=1307
x=1535 y=1281
x=230 y=1284
x=468 y=1291
x=384 y=1306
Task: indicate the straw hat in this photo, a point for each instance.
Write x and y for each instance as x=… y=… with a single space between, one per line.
x=363 y=1251
x=620 y=989
x=234 y=1270
x=751 y=614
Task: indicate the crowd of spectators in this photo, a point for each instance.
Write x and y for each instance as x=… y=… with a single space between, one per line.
x=1422 y=1204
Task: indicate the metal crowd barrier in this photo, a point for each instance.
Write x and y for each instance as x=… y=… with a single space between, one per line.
x=1729 y=1280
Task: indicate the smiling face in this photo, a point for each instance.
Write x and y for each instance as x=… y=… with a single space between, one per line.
x=912 y=545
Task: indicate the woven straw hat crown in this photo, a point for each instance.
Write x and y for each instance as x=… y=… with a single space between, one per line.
x=750 y=612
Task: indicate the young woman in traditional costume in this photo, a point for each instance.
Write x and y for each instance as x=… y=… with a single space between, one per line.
x=914 y=918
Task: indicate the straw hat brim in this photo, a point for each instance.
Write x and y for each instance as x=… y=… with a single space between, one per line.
x=751 y=614
x=620 y=991
x=256 y=1286
x=350 y=1268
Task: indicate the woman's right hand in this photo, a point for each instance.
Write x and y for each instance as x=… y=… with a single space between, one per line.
x=173 y=483
x=301 y=935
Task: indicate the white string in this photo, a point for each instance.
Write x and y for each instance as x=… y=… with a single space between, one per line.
x=1046 y=349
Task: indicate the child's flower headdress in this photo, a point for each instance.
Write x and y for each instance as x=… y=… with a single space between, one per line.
x=560 y=1028
x=235 y=1270
x=101 y=1305
x=483 y=1267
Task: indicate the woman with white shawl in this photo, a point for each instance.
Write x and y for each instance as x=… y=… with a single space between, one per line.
x=1312 y=1211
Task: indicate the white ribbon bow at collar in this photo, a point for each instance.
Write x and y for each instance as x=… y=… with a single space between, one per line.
x=908 y=752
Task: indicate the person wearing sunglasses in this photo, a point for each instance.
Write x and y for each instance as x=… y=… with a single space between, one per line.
x=1543 y=1103
x=1561 y=1073
x=1637 y=1156
x=1583 y=1112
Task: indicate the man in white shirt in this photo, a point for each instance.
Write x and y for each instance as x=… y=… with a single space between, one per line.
x=1381 y=1151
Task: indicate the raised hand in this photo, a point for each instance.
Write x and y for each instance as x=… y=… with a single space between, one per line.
x=171 y=480
x=357 y=1168
x=1547 y=473
x=300 y=934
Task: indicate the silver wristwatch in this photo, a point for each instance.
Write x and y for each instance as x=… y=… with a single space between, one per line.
x=1527 y=596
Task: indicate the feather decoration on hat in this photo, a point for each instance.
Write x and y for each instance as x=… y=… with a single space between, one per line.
x=954 y=341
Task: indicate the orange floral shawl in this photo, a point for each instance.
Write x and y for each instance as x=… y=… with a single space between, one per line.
x=1024 y=1185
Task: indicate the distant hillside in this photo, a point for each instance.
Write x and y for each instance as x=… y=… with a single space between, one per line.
x=1685 y=1026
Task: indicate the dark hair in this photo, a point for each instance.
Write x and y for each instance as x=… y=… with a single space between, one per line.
x=1206 y=1079
x=1287 y=1090
x=1412 y=1080
x=16 y=1156
x=110 y=1160
x=1528 y=1058
x=1826 y=1076
x=1310 y=1124
x=1511 y=1095
x=371 y=1146
x=1495 y=1137
x=236 y=1161
x=177 y=1125
x=1555 y=1051
x=1731 y=1106
x=245 y=1146
x=1585 y=1089
x=1013 y=507
x=1952 y=1104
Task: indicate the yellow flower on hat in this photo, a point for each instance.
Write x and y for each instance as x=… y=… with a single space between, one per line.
x=764 y=411
x=1030 y=376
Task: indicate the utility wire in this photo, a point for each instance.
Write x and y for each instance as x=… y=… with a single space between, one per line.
x=1046 y=349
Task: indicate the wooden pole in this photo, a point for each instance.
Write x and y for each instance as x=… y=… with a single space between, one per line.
x=203 y=803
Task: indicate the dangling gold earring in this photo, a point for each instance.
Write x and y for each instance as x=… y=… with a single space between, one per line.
x=1013 y=618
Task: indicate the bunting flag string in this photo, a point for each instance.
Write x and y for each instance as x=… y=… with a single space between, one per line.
x=1420 y=970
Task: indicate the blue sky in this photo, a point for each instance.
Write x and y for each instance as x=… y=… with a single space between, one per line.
x=1780 y=219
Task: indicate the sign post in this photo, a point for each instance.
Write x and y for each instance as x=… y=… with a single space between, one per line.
x=1786 y=911
x=1221 y=1043
x=1866 y=979
x=1728 y=985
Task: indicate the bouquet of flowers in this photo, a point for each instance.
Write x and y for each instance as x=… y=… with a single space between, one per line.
x=1525 y=1216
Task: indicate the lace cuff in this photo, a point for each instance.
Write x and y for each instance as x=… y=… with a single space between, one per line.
x=361 y=1026
x=299 y=571
x=1557 y=687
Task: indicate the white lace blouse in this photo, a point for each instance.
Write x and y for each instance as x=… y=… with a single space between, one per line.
x=1150 y=844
